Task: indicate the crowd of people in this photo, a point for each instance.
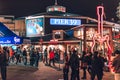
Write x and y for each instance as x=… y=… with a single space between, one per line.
x=32 y=56
x=92 y=63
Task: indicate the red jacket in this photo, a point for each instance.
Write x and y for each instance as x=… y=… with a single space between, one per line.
x=52 y=55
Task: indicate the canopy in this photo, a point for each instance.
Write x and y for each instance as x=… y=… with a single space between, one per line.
x=7 y=36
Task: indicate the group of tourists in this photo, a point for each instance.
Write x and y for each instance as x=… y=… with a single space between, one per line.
x=91 y=63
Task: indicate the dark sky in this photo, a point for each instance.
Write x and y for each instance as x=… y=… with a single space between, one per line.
x=21 y=8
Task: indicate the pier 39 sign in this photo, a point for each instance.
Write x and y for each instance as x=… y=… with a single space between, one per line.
x=69 y=22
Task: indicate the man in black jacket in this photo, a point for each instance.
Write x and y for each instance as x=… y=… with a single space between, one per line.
x=97 y=66
x=74 y=64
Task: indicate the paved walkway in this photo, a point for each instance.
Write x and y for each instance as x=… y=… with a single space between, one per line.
x=16 y=72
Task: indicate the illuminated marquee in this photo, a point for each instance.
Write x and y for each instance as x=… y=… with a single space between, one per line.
x=75 y=22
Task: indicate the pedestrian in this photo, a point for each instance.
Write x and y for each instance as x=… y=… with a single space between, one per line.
x=74 y=64
x=84 y=64
x=25 y=56
x=97 y=65
x=18 y=55
x=45 y=57
x=11 y=55
x=116 y=65
x=32 y=57
x=65 y=71
x=37 y=57
x=89 y=59
x=52 y=58
x=3 y=62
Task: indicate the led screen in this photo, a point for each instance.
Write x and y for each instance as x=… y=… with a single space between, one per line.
x=34 y=27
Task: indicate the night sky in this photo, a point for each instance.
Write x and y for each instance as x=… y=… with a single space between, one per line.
x=21 y=8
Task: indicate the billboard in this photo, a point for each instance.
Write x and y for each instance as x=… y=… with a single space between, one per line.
x=34 y=27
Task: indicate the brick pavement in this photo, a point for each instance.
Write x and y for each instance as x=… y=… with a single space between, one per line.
x=16 y=72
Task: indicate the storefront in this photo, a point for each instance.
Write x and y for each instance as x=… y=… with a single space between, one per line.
x=86 y=32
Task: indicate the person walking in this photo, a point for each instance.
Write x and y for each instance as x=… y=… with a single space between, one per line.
x=52 y=58
x=97 y=65
x=3 y=62
x=11 y=55
x=74 y=64
x=32 y=57
x=25 y=56
x=89 y=60
x=116 y=65
x=18 y=55
x=45 y=56
x=37 y=57
x=84 y=64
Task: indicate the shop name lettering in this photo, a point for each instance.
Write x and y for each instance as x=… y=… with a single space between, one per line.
x=65 y=22
x=16 y=39
x=7 y=41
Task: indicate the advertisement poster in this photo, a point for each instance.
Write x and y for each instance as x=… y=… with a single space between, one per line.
x=34 y=27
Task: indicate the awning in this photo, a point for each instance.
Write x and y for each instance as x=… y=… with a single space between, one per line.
x=7 y=36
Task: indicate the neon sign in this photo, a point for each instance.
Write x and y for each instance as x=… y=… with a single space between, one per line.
x=99 y=36
x=55 y=21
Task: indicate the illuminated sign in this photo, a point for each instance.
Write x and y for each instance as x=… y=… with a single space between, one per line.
x=74 y=22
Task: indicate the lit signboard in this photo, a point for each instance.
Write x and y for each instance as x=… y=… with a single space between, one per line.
x=34 y=27
x=56 y=21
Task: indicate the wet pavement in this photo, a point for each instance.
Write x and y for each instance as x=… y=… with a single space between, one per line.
x=20 y=72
